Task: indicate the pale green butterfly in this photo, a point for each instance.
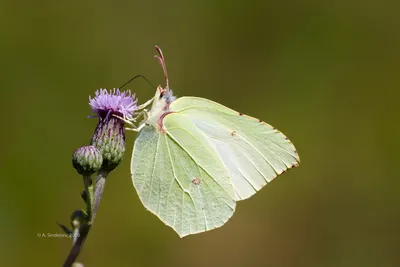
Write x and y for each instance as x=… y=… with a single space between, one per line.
x=194 y=158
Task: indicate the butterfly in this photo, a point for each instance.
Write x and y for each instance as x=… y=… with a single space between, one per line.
x=193 y=159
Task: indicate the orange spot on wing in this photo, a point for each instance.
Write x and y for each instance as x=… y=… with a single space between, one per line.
x=196 y=181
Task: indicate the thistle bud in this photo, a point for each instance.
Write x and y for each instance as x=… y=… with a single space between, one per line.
x=109 y=136
x=87 y=160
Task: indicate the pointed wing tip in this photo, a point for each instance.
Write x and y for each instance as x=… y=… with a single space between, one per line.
x=294 y=165
x=181 y=236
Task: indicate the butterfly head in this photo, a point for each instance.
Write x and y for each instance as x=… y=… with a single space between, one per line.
x=165 y=95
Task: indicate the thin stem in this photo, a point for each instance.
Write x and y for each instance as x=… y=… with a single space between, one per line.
x=75 y=235
x=89 y=195
x=98 y=191
x=77 y=247
x=84 y=228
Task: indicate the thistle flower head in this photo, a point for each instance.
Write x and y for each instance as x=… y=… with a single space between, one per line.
x=109 y=136
x=106 y=103
x=87 y=160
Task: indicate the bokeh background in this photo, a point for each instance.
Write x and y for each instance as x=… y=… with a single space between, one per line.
x=326 y=73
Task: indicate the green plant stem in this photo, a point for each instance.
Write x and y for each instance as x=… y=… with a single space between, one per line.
x=98 y=191
x=94 y=201
x=77 y=247
x=87 y=180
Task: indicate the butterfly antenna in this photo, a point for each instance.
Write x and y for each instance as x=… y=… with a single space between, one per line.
x=137 y=76
x=161 y=60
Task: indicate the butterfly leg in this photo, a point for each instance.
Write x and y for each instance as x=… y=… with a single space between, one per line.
x=136 y=129
x=144 y=105
x=132 y=129
x=124 y=119
x=143 y=113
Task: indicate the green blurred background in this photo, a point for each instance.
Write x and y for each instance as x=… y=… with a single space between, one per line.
x=326 y=73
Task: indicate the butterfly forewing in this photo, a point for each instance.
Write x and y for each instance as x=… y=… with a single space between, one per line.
x=253 y=152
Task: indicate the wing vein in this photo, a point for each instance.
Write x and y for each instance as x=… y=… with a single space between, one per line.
x=175 y=177
x=278 y=146
x=154 y=166
x=176 y=141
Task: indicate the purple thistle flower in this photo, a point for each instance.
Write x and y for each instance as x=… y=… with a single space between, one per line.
x=106 y=103
x=109 y=136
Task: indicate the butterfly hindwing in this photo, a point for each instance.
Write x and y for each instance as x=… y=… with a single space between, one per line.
x=177 y=179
